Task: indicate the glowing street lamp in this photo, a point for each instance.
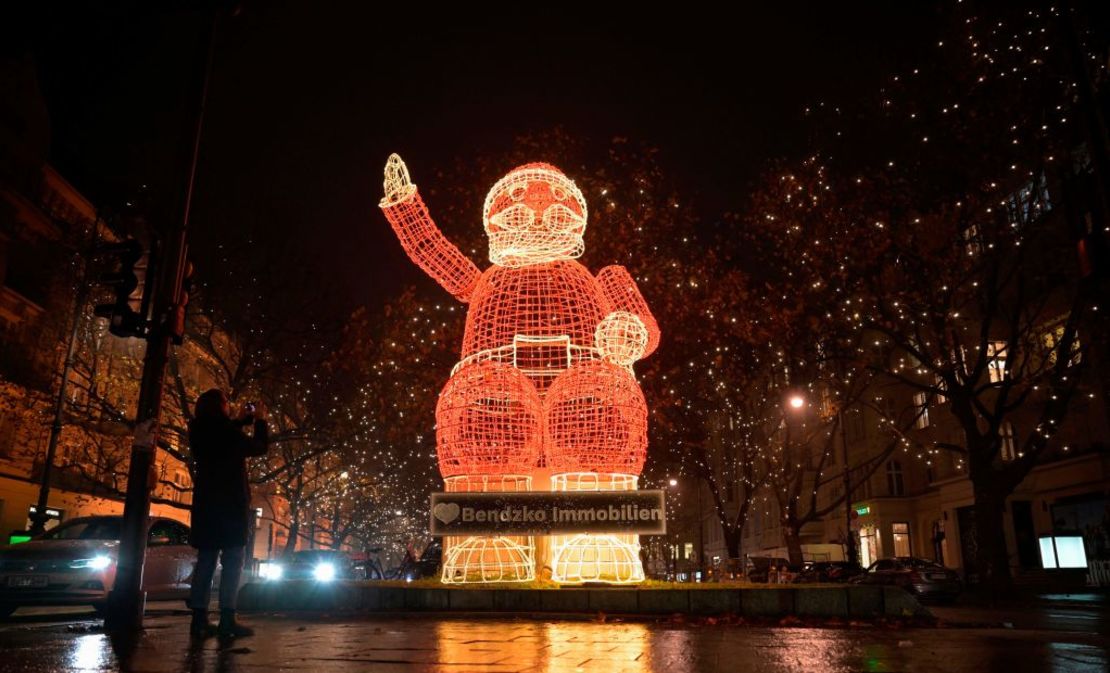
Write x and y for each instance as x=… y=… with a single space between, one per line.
x=797 y=402
x=673 y=482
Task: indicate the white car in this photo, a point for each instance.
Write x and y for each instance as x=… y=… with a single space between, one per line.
x=75 y=564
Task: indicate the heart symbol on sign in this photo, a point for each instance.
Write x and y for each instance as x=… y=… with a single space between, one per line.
x=446 y=512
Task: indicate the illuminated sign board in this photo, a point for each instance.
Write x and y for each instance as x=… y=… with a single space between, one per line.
x=863 y=510
x=548 y=513
x=1062 y=551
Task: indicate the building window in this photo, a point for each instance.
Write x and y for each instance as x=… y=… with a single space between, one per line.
x=890 y=409
x=901 y=531
x=894 y=483
x=1029 y=202
x=7 y=435
x=868 y=545
x=861 y=484
x=921 y=410
x=857 y=429
x=938 y=382
x=996 y=361
x=1052 y=339
x=688 y=550
x=180 y=485
x=973 y=241
x=1008 y=448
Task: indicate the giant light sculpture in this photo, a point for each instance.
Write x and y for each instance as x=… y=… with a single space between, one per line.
x=544 y=397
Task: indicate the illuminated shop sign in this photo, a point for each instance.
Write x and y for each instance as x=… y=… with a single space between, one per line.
x=548 y=513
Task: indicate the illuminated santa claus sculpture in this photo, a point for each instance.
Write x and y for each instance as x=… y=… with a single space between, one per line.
x=544 y=397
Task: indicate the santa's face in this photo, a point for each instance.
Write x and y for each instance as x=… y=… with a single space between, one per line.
x=535 y=214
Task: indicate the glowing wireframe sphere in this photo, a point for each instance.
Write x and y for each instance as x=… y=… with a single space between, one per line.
x=614 y=559
x=622 y=338
x=488 y=422
x=489 y=559
x=596 y=421
x=534 y=214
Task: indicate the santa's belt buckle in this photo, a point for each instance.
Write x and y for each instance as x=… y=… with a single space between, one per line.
x=539 y=355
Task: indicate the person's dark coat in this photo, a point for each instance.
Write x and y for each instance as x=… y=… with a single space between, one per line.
x=221 y=493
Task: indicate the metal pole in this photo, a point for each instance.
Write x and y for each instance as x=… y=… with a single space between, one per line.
x=849 y=543
x=126 y=600
x=701 y=534
x=39 y=518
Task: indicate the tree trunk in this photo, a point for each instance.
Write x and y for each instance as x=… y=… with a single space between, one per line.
x=732 y=542
x=734 y=567
x=294 y=530
x=793 y=542
x=992 y=560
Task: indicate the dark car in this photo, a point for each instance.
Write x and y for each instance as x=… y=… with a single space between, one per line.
x=921 y=577
x=321 y=565
x=768 y=568
x=829 y=571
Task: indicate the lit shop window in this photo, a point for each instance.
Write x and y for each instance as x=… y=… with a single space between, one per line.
x=996 y=360
x=1009 y=448
x=921 y=409
x=901 y=533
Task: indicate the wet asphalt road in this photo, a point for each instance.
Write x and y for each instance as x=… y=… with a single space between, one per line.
x=423 y=643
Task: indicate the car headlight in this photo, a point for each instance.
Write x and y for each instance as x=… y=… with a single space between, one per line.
x=270 y=571
x=98 y=562
x=324 y=572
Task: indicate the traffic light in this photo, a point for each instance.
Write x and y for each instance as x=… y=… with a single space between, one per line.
x=123 y=320
x=177 y=325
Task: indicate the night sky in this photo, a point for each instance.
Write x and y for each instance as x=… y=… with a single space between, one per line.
x=308 y=99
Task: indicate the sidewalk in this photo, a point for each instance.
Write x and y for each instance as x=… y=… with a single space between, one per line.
x=498 y=645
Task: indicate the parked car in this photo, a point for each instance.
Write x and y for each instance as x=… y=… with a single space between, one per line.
x=321 y=565
x=921 y=577
x=768 y=569
x=828 y=571
x=75 y=564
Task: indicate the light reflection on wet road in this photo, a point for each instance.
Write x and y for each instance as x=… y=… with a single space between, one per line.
x=430 y=644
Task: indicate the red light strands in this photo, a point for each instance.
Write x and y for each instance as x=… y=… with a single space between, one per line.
x=421 y=238
x=545 y=385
